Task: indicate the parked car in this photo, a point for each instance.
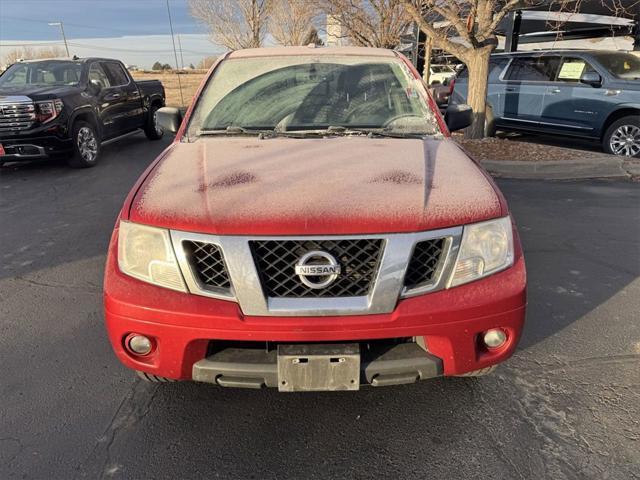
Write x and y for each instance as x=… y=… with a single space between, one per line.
x=71 y=107
x=313 y=227
x=589 y=94
x=440 y=73
x=441 y=93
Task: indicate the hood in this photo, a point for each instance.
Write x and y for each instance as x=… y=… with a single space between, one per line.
x=286 y=186
x=37 y=92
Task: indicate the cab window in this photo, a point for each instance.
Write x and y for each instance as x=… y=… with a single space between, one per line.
x=116 y=74
x=97 y=75
x=533 y=69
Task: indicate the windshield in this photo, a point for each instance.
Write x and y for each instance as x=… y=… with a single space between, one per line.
x=287 y=93
x=621 y=65
x=46 y=73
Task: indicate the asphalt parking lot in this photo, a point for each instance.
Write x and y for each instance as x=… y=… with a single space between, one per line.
x=567 y=405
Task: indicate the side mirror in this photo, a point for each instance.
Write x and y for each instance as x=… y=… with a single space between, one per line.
x=591 y=78
x=169 y=119
x=458 y=117
x=95 y=87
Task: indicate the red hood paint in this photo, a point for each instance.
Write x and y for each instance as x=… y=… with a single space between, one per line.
x=342 y=185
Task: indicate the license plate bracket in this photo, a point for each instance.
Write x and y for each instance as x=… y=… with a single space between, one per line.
x=318 y=367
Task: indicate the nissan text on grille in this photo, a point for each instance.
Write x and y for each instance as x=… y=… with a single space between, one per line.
x=313 y=227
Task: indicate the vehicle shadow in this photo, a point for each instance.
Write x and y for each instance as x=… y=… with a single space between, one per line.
x=554 y=141
x=55 y=230
x=52 y=214
x=579 y=253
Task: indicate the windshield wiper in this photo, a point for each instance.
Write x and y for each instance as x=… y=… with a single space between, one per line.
x=339 y=130
x=235 y=130
x=331 y=130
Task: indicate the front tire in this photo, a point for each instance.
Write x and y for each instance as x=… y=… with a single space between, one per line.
x=151 y=129
x=623 y=137
x=86 y=145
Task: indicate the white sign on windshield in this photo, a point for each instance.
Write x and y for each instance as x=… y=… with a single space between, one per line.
x=571 y=70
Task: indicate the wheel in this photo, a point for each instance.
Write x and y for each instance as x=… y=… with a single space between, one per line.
x=479 y=373
x=489 y=122
x=86 y=145
x=151 y=129
x=148 y=377
x=623 y=137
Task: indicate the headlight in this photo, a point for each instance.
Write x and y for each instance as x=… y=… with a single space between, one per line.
x=146 y=253
x=486 y=248
x=48 y=110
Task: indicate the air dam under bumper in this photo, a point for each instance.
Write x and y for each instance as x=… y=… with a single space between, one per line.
x=451 y=322
x=257 y=368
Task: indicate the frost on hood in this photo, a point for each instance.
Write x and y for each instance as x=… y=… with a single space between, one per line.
x=314 y=186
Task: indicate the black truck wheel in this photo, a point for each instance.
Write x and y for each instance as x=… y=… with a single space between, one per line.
x=151 y=129
x=86 y=145
x=623 y=137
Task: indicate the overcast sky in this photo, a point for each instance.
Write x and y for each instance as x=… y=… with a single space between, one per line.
x=135 y=31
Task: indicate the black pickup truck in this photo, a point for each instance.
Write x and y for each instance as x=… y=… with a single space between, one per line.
x=70 y=107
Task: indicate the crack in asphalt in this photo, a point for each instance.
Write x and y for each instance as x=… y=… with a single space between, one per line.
x=535 y=402
x=134 y=406
x=93 y=288
x=496 y=443
x=21 y=448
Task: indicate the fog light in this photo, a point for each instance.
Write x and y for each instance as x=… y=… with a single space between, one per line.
x=140 y=344
x=494 y=338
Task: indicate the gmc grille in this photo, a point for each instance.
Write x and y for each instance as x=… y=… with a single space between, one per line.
x=276 y=259
x=208 y=265
x=424 y=262
x=15 y=117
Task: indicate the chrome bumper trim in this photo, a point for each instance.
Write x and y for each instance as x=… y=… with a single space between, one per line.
x=387 y=288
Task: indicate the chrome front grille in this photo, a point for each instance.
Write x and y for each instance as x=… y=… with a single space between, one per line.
x=15 y=117
x=276 y=260
x=208 y=264
x=424 y=263
x=260 y=274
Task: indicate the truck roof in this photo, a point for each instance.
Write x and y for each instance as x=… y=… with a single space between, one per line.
x=564 y=51
x=312 y=50
x=72 y=59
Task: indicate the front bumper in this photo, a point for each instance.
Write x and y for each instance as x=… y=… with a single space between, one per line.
x=38 y=146
x=448 y=323
x=380 y=365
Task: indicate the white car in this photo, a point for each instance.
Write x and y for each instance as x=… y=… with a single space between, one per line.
x=439 y=73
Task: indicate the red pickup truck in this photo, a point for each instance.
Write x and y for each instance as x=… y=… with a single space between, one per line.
x=313 y=227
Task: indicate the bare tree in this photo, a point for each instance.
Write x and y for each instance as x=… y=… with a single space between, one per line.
x=28 y=53
x=234 y=24
x=369 y=23
x=292 y=21
x=50 y=52
x=13 y=55
x=466 y=29
x=206 y=63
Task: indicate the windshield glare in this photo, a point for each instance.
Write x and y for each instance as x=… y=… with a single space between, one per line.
x=621 y=65
x=46 y=73
x=288 y=93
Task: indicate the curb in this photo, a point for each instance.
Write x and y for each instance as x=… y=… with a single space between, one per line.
x=565 y=170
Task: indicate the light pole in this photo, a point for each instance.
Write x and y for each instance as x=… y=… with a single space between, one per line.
x=175 y=53
x=59 y=24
